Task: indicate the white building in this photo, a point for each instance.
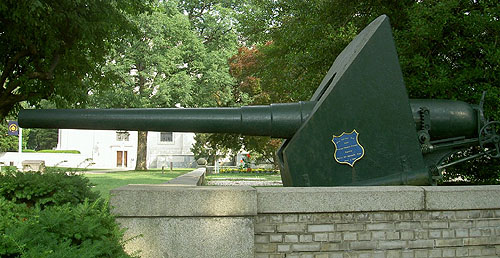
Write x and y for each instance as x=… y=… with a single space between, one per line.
x=118 y=149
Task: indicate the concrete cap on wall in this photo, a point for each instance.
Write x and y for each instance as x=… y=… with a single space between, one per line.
x=175 y=201
x=339 y=199
x=462 y=197
x=207 y=201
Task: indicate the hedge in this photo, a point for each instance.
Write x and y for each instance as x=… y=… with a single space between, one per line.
x=55 y=215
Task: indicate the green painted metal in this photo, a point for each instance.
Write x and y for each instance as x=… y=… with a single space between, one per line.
x=362 y=91
x=275 y=120
x=449 y=118
x=359 y=128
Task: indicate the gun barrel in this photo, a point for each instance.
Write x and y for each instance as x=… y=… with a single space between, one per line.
x=275 y=120
x=448 y=119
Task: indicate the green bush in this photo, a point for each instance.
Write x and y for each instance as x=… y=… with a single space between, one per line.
x=10 y=215
x=55 y=215
x=8 y=169
x=59 y=151
x=83 y=230
x=50 y=188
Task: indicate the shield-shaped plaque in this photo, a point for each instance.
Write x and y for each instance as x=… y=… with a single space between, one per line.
x=347 y=148
x=13 y=128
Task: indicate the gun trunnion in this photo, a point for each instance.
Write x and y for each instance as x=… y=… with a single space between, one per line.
x=359 y=128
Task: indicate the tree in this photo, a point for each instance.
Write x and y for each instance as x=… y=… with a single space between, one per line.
x=215 y=23
x=243 y=66
x=448 y=49
x=263 y=149
x=170 y=62
x=56 y=49
x=291 y=54
x=42 y=139
x=300 y=40
x=208 y=146
x=246 y=91
x=153 y=66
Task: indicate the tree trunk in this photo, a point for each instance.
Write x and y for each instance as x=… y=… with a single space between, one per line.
x=142 y=136
x=142 y=150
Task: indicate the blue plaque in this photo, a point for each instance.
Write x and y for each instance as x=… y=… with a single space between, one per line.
x=13 y=128
x=347 y=148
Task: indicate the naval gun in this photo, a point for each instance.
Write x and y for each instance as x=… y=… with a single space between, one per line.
x=359 y=127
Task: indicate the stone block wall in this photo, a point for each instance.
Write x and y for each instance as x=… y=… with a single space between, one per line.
x=314 y=222
x=356 y=222
x=460 y=233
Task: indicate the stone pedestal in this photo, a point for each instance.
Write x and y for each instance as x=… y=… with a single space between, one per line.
x=383 y=221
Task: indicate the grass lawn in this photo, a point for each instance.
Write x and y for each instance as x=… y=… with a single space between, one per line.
x=104 y=182
x=64 y=169
x=242 y=176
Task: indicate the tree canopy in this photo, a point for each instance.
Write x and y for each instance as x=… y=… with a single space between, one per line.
x=178 y=57
x=56 y=49
x=448 y=49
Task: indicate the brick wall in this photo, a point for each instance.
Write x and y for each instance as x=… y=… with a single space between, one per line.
x=460 y=233
x=313 y=222
x=356 y=222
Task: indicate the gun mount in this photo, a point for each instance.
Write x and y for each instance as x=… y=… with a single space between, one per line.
x=359 y=128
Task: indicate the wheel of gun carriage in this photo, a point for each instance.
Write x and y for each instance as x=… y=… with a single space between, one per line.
x=489 y=139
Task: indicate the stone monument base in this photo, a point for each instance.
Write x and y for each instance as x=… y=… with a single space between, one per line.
x=319 y=222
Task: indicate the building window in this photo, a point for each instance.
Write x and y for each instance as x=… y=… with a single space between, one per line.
x=122 y=136
x=166 y=137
